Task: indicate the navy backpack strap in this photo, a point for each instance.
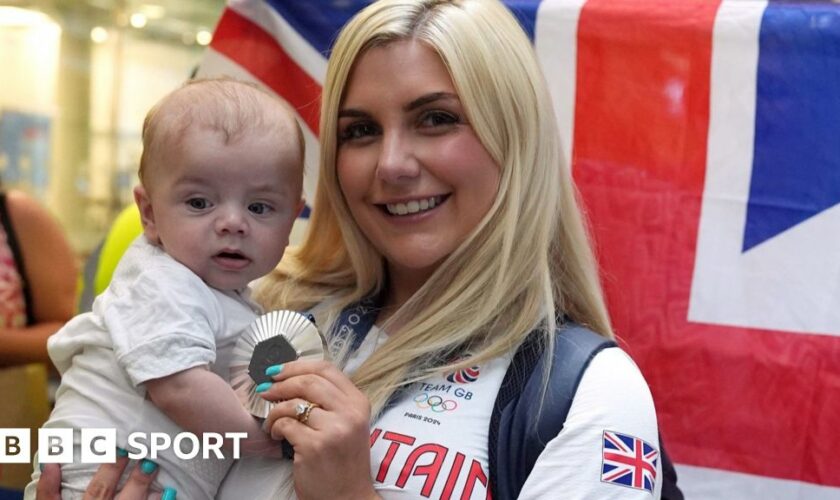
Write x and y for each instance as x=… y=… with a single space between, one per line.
x=670 y=490
x=520 y=369
x=516 y=435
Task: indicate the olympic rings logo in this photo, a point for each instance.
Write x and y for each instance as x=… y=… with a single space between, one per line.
x=436 y=403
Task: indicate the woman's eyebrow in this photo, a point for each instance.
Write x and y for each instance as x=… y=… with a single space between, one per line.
x=416 y=103
x=428 y=98
x=352 y=113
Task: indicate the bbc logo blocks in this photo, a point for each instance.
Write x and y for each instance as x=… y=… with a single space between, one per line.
x=97 y=446
x=14 y=446
x=56 y=446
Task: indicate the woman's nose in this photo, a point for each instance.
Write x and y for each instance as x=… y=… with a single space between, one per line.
x=232 y=221
x=397 y=161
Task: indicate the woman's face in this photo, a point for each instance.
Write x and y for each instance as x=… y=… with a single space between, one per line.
x=414 y=174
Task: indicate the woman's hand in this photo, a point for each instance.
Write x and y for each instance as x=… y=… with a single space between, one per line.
x=332 y=448
x=103 y=486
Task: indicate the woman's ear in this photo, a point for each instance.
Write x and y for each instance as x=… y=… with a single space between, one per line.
x=147 y=214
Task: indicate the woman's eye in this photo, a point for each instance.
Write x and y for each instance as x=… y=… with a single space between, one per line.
x=198 y=203
x=438 y=118
x=259 y=208
x=356 y=131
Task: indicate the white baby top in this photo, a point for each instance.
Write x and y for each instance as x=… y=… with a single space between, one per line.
x=156 y=318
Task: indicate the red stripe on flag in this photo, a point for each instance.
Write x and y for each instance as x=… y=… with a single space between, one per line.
x=759 y=402
x=261 y=55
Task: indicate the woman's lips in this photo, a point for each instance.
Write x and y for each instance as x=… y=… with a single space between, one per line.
x=413 y=208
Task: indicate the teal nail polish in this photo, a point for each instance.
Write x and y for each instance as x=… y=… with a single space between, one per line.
x=273 y=370
x=121 y=452
x=263 y=387
x=169 y=494
x=41 y=466
x=147 y=466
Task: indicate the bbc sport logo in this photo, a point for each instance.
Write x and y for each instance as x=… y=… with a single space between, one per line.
x=99 y=445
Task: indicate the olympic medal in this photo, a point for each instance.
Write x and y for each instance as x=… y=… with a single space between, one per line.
x=272 y=339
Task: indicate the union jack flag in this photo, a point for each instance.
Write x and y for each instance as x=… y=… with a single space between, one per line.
x=629 y=461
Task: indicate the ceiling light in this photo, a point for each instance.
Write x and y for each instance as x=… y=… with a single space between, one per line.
x=138 y=20
x=203 y=37
x=98 y=34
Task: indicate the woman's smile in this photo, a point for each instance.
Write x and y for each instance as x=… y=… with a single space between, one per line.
x=414 y=206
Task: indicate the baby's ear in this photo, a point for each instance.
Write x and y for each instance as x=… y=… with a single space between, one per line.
x=147 y=214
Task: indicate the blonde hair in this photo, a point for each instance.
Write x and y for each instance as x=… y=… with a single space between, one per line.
x=527 y=263
x=234 y=108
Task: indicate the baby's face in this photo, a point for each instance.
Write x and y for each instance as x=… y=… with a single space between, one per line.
x=223 y=210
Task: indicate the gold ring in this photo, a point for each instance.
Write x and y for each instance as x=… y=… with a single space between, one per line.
x=302 y=411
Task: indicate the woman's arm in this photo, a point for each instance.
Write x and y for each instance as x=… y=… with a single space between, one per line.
x=51 y=276
x=613 y=404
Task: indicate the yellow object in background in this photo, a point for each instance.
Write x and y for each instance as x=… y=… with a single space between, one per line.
x=125 y=229
x=100 y=266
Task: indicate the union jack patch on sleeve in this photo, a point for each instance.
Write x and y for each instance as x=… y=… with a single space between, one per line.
x=628 y=461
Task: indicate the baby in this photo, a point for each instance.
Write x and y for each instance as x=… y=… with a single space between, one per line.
x=221 y=177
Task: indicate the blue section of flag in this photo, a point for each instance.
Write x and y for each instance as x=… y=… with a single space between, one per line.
x=318 y=21
x=526 y=12
x=626 y=479
x=796 y=166
x=628 y=440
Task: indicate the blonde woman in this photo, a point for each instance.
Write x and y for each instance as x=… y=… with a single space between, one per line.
x=443 y=194
x=446 y=237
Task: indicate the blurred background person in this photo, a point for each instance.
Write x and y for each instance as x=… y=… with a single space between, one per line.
x=37 y=279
